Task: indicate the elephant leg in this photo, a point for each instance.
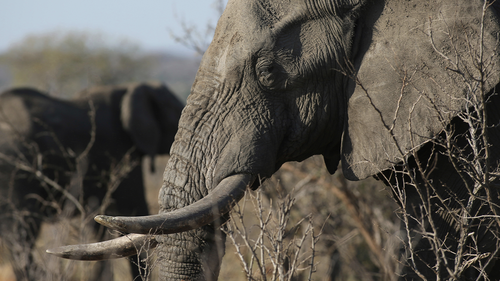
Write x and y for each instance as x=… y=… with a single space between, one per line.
x=418 y=254
x=435 y=202
x=21 y=217
x=482 y=242
x=103 y=270
x=131 y=201
x=20 y=242
x=138 y=266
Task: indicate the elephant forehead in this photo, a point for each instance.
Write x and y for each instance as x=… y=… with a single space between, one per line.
x=259 y=13
x=410 y=83
x=249 y=30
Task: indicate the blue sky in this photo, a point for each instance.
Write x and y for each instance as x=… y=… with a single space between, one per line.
x=146 y=22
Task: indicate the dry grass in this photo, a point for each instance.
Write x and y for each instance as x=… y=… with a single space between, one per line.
x=358 y=227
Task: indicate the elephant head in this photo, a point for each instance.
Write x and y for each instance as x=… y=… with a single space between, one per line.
x=361 y=82
x=150 y=117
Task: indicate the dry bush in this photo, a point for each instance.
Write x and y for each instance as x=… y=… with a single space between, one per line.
x=279 y=251
x=346 y=230
x=76 y=230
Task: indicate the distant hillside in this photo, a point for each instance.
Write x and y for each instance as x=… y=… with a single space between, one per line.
x=176 y=71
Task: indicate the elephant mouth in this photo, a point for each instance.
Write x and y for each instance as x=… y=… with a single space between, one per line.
x=205 y=211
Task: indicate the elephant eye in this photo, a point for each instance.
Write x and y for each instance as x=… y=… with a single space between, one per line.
x=266 y=75
x=265 y=70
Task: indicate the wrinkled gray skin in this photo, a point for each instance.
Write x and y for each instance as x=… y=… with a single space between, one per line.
x=48 y=133
x=360 y=82
x=275 y=86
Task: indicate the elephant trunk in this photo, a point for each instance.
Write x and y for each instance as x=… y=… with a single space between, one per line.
x=214 y=142
x=197 y=165
x=195 y=254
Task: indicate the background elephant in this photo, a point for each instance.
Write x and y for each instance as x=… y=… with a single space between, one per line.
x=77 y=157
x=401 y=90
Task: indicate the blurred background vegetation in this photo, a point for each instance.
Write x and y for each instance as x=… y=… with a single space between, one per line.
x=64 y=63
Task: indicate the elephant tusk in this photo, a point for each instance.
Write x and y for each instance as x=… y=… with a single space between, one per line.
x=120 y=247
x=220 y=201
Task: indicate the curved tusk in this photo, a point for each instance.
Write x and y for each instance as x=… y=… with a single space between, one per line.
x=204 y=211
x=120 y=247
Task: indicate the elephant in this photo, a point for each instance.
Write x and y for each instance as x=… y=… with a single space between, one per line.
x=386 y=88
x=70 y=156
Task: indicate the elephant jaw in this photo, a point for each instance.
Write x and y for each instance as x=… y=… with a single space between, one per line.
x=208 y=209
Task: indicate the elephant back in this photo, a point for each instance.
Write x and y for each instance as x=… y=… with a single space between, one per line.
x=31 y=120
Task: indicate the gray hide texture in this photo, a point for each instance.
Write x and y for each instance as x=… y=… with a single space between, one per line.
x=411 y=72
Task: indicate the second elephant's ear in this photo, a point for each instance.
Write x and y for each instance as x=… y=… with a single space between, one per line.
x=138 y=119
x=417 y=64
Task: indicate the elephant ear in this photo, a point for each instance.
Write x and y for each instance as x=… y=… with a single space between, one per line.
x=139 y=121
x=418 y=64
